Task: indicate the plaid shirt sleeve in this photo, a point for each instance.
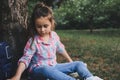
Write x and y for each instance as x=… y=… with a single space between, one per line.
x=29 y=51
x=60 y=48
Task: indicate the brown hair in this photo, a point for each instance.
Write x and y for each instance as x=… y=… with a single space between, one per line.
x=40 y=10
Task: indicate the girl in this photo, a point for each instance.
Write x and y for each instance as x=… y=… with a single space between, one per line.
x=40 y=51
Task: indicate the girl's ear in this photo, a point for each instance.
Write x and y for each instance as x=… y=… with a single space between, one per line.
x=53 y=24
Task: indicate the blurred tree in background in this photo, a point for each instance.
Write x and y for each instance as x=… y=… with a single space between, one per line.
x=90 y=14
x=83 y=14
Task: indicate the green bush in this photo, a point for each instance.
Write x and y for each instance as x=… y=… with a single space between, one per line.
x=81 y=14
x=76 y=14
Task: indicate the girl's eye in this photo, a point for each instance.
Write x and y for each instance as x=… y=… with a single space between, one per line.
x=39 y=26
x=45 y=26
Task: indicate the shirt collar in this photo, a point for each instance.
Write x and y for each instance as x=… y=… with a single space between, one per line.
x=40 y=40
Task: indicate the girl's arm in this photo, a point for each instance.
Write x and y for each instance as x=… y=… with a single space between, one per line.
x=24 y=61
x=20 y=70
x=60 y=48
x=66 y=56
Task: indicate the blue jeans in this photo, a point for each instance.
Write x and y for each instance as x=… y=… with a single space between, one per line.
x=61 y=71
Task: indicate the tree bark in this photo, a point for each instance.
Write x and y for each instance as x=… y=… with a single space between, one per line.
x=91 y=23
x=13 y=24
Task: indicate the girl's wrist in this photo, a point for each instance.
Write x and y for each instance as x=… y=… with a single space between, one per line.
x=18 y=75
x=70 y=60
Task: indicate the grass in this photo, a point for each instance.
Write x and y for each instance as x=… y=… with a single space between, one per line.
x=100 y=50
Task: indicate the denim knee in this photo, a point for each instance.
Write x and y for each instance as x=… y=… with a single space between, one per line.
x=82 y=69
x=79 y=63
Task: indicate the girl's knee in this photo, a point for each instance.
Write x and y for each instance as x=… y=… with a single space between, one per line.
x=80 y=63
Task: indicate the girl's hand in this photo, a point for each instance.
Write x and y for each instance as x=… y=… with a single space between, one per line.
x=19 y=72
x=14 y=78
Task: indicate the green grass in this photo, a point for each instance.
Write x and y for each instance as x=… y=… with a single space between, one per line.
x=100 y=50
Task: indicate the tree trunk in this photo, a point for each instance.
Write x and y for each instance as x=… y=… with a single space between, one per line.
x=91 y=23
x=13 y=24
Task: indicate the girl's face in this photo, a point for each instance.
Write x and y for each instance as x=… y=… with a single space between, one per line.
x=43 y=26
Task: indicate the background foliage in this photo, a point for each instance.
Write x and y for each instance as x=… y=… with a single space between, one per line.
x=77 y=14
x=82 y=14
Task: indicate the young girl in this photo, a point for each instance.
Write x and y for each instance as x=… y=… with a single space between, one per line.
x=40 y=51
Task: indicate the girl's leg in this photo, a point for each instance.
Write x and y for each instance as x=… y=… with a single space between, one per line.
x=76 y=66
x=34 y=75
x=50 y=72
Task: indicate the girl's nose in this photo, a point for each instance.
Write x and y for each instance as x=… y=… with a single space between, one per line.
x=42 y=29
